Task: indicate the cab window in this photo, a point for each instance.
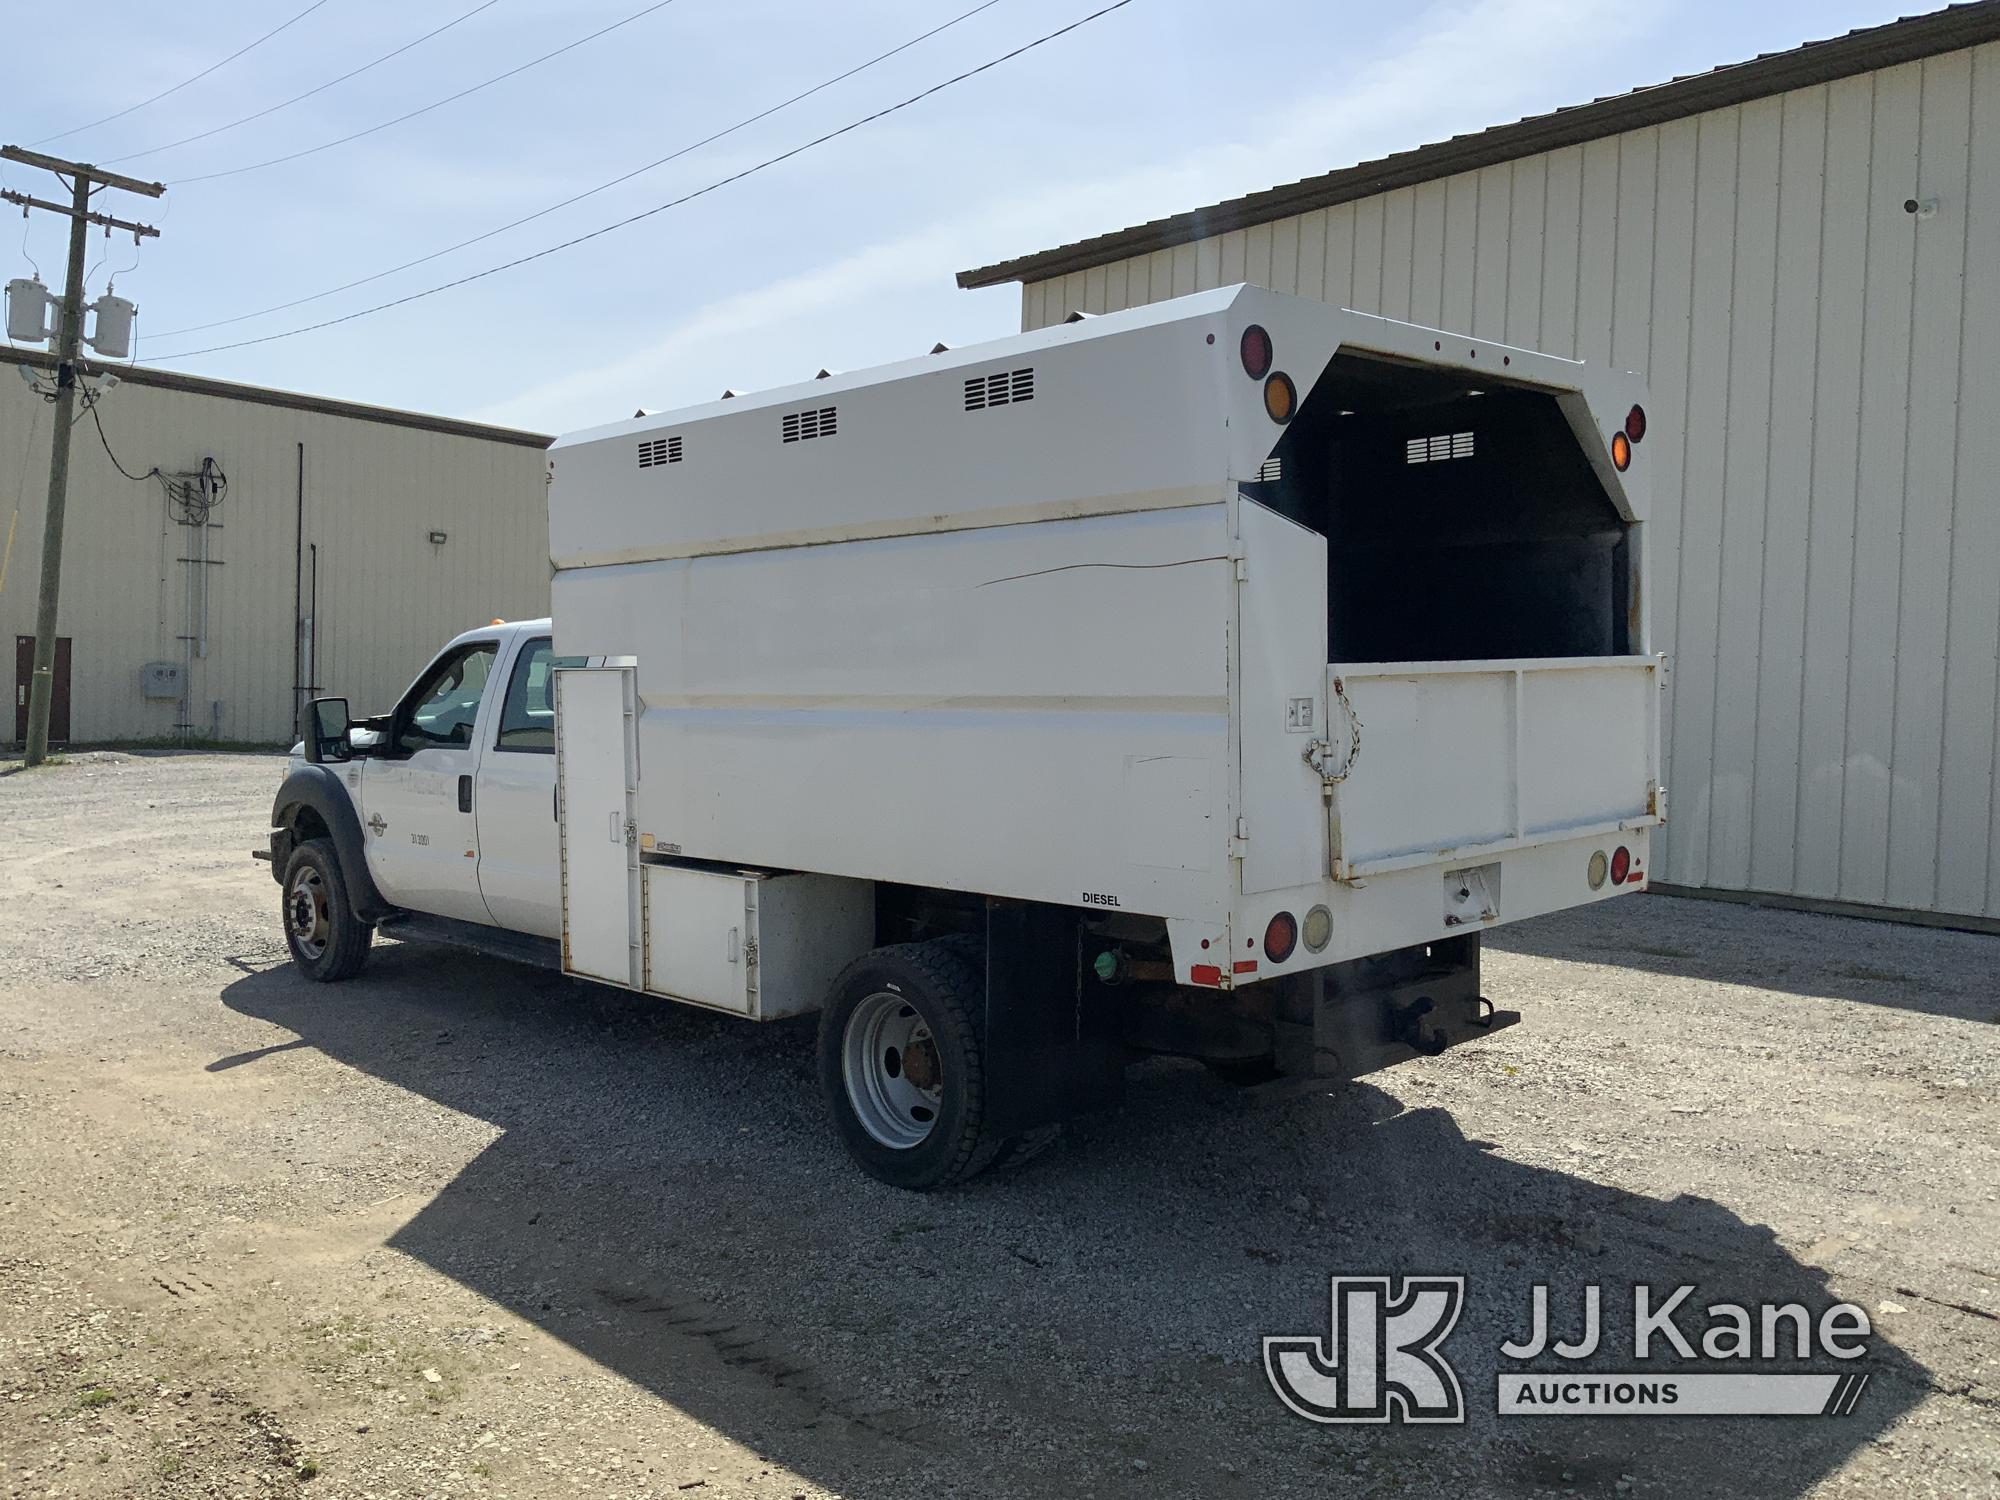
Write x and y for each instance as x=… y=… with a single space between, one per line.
x=528 y=713
x=446 y=702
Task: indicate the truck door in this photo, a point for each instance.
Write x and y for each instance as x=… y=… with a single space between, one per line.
x=416 y=794
x=514 y=806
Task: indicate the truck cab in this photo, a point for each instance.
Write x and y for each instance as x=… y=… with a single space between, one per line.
x=450 y=794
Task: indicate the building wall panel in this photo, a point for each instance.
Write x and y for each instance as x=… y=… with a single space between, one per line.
x=1740 y=600
x=1370 y=235
x=1969 y=809
x=1597 y=249
x=1526 y=215
x=1830 y=555
x=1825 y=371
x=1312 y=272
x=1782 y=632
x=1491 y=251
x=1698 y=565
x=1562 y=232
x=1923 y=593
x=1878 y=538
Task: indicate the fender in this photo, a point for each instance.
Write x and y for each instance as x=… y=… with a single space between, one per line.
x=318 y=788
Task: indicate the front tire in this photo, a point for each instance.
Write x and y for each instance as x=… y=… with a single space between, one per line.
x=327 y=941
x=900 y=1064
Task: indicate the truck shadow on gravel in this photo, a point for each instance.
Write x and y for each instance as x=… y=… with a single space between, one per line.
x=1926 y=969
x=668 y=1199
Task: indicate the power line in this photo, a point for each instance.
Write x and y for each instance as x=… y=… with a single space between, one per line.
x=539 y=213
x=188 y=140
x=276 y=161
x=78 y=130
x=660 y=208
x=90 y=405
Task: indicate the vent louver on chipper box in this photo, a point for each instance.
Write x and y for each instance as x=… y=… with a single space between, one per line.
x=817 y=422
x=1001 y=388
x=656 y=451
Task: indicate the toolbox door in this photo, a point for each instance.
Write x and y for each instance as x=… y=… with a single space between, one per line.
x=597 y=780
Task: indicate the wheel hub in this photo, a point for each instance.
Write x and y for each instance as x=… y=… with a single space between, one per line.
x=306 y=915
x=893 y=1071
x=922 y=1066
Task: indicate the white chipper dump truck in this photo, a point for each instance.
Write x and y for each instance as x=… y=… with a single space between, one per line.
x=1200 y=679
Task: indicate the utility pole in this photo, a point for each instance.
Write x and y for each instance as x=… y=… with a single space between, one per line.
x=84 y=178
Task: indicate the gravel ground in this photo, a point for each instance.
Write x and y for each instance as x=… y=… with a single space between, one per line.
x=463 y=1229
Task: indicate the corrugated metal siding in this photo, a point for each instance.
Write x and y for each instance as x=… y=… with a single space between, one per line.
x=1823 y=367
x=387 y=597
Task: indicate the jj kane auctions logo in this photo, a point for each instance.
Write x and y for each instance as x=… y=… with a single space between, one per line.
x=1382 y=1359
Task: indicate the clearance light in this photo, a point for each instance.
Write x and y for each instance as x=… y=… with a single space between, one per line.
x=1621 y=865
x=1621 y=452
x=1319 y=929
x=1281 y=398
x=1599 y=865
x=1635 y=424
x=1281 y=937
x=1256 y=351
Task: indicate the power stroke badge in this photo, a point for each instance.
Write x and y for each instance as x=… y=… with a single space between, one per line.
x=1383 y=1359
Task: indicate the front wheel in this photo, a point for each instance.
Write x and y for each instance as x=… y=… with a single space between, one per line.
x=899 y=1061
x=327 y=941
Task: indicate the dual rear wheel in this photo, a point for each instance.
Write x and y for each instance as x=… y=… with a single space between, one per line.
x=901 y=1067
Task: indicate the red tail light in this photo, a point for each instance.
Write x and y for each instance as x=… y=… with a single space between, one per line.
x=1635 y=424
x=1621 y=865
x=1256 y=351
x=1281 y=937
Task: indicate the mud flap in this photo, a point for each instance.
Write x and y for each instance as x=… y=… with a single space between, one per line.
x=1052 y=1048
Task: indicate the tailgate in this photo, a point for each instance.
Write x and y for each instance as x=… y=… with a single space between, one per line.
x=1457 y=758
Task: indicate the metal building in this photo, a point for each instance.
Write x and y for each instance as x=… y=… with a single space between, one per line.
x=1802 y=254
x=287 y=543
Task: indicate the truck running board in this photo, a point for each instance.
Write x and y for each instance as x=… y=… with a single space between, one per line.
x=492 y=942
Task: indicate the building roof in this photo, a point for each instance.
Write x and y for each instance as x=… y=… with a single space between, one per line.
x=257 y=395
x=1863 y=51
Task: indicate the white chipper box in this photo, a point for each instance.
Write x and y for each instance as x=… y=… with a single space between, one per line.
x=1308 y=633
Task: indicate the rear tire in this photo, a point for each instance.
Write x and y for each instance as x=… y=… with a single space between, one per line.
x=327 y=941
x=900 y=1064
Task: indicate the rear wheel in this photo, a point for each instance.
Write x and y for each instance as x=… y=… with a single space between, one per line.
x=326 y=940
x=900 y=1063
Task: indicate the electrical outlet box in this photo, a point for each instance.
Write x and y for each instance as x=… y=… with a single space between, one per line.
x=160 y=679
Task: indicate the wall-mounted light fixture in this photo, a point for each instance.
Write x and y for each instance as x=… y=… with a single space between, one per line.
x=437 y=538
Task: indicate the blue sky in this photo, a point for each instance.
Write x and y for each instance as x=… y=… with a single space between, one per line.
x=841 y=257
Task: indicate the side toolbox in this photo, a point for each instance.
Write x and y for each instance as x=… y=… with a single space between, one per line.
x=754 y=944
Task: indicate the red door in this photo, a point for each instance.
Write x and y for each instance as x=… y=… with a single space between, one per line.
x=24 y=671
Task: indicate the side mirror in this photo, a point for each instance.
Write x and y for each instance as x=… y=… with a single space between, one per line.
x=326 y=731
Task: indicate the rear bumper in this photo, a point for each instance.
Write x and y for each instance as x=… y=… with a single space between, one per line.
x=1403 y=908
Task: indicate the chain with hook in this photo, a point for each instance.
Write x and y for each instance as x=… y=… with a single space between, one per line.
x=1319 y=754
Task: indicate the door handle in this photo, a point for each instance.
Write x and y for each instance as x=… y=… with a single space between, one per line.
x=465 y=794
